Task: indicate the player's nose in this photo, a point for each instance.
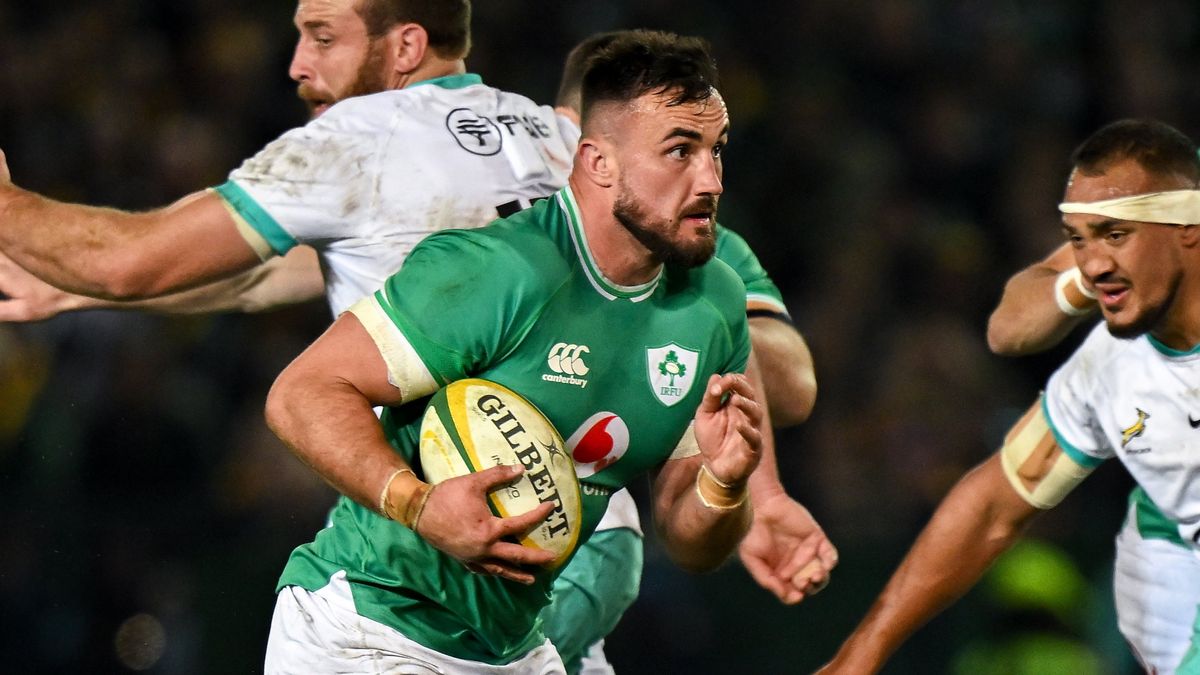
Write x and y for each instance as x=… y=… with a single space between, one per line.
x=300 y=68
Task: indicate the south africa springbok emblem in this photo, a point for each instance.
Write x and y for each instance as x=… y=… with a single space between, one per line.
x=1136 y=429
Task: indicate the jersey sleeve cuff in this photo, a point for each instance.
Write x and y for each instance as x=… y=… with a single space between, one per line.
x=1078 y=456
x=406 y=370
x=261 y=231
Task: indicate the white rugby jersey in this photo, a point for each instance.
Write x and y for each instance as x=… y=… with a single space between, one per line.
x=374 y=175
x=1138 y=400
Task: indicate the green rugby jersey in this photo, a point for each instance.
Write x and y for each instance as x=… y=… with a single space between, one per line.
x=618 y=370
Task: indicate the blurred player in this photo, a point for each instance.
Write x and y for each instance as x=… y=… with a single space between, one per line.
x=1131 y=211
x=607 y=254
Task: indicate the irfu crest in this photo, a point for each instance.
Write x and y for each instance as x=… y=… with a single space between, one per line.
x=672 y=370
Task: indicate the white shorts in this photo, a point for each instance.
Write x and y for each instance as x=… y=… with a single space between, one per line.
x=1156 y=585
x=320 y=632
x=595 y=662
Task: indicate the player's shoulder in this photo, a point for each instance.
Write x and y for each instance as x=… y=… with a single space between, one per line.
x=733 y=250
x=719 y=285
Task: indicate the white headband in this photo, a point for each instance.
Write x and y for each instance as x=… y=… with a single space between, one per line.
x=1176 y=207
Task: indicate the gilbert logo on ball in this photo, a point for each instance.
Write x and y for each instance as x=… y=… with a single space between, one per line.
x=471 y=425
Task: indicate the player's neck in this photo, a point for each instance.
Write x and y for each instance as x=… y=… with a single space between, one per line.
x=620 y=256
x=429 y=69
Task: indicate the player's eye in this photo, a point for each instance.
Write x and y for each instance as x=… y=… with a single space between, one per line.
x=323 y=41
x=678 y=152
x=718 y=149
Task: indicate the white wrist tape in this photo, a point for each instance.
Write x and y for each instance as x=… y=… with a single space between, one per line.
x=1073 y=277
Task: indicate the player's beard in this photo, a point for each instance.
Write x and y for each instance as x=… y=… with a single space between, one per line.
x=370 y=79
x=656 y=234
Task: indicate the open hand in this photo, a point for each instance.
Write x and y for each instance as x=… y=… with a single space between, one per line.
x=24 y=297
x=786 y=551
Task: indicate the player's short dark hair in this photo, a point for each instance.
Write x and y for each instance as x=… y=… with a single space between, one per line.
x=571 y=84
x=1159 y=148
x=639 y=62
x=447 y=22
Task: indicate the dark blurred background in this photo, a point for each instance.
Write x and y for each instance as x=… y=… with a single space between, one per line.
x=892 y=163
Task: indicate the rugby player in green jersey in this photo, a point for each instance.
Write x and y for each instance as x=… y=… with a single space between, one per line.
x=603 y=264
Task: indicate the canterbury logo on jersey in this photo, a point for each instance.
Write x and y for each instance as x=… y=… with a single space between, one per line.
x=1136 y=429
x=566 y=361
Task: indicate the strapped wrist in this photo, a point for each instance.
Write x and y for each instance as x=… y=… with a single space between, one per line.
x=406 y=509
x=716 y=494
x=1071 y=295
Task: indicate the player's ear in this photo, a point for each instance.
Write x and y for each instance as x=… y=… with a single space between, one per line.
x=1189 y=236
x=596 y=160
x=407 y=43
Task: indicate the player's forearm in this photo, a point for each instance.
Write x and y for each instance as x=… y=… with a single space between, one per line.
x=276 y=283
x=980 y=518
x=790 y=383
x=118 y=255
x=1029 y=317
x=699 y=540
x=331 y=427
x=764 y=482
x=1027 y=320
x=67 y=245
x=699 y=533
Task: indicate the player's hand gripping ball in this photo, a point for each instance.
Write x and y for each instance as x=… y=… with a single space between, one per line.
x=472 y=425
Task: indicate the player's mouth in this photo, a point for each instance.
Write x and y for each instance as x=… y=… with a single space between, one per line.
x=700 y=216
x=1112 y=296
x=316 y=101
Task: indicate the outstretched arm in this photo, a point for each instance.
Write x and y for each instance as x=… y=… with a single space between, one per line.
x=115 y=254
x=980 y=518
x=278 y=282
x=785 y=550
x=1030 y=317
x=701 y=503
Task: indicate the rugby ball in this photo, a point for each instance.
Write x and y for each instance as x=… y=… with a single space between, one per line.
x=472 y=425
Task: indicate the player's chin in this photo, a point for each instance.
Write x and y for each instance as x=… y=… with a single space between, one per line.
x=1126 y=323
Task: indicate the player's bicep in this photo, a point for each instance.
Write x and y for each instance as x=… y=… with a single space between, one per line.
x=1036 y=466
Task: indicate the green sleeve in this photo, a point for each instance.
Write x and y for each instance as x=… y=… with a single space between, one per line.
x=760 y=290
